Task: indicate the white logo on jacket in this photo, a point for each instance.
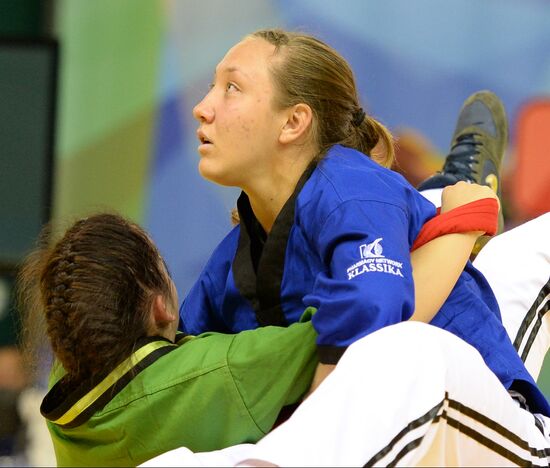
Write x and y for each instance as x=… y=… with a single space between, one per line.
x=372 y=261
x=374 y=249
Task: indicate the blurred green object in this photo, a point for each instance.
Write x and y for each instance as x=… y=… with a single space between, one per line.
x=544 y=378
x=9 y=318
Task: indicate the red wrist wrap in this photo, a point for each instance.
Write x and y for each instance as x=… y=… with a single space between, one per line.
x=479 y=215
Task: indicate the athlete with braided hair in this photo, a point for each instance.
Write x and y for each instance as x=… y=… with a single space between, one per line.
x=124 y=387
x=73 y=287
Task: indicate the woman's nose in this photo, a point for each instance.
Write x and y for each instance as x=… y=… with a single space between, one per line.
x=203 y=112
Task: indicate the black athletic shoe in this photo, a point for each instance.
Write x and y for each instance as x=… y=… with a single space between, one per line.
x=477 y=149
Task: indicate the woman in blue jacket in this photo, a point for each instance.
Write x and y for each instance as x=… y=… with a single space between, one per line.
x=322 y=224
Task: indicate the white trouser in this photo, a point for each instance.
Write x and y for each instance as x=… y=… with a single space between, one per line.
x=517 y=265
x=407 y=395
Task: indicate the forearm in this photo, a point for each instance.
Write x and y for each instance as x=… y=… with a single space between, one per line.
x=436 y=268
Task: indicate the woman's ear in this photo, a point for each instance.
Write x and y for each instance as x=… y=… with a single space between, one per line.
x=298 y=122
x=161 y=314
x=163 y=321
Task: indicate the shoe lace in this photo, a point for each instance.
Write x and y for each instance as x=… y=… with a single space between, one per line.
x=463 y=156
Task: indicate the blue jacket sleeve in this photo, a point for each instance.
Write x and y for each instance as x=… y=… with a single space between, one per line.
x=201 y=310
x=367 y=283
x=197 y=313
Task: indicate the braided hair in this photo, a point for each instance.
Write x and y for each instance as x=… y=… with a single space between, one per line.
x=94 y=288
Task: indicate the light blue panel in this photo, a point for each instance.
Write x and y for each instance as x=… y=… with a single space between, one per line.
x=205 y=30
x=455 y=34
x=171 y=72
x=185 y=217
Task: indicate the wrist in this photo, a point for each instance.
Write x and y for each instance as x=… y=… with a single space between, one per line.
x=479 y=217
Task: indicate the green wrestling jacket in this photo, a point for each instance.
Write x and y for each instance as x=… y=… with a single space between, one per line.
x=205 y=393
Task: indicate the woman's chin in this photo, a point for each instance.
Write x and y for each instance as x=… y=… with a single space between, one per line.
x=212 y=175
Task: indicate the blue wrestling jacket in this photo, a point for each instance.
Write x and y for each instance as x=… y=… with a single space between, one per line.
x=342 y=244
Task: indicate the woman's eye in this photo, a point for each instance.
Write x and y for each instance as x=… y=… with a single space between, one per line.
x=231 y=87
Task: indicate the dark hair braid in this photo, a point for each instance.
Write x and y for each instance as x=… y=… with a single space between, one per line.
x=96 y=285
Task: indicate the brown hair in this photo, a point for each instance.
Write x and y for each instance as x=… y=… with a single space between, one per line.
x=93 y=288
x=309 y=71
